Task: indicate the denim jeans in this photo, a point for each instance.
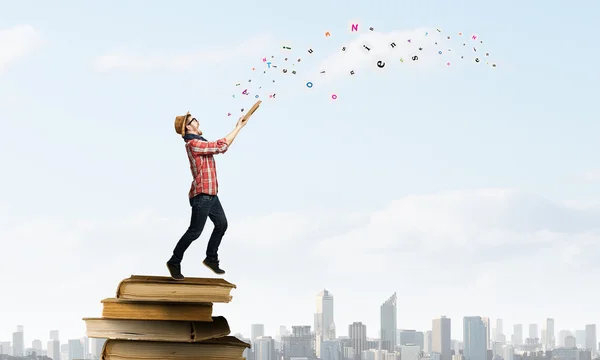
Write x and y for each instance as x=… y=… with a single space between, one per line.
x=203 y=207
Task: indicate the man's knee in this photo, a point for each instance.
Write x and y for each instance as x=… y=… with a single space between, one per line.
x=221 y=224
x=194 y=232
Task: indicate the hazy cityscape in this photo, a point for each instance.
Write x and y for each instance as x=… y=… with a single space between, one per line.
x=481 y=339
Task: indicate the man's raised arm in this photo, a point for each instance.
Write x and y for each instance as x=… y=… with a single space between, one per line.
x=231 y=136
x=217 y=147
x=208 y=147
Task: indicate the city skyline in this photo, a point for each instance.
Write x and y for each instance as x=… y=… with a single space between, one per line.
x=324 y=318
x=474 y=343
x=480 y=337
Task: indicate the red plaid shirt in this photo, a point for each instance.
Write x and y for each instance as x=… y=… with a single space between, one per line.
x=202 y=163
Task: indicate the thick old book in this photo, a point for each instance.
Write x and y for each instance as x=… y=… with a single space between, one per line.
x=149 y=310
x=156 y=330
x=225 y=348
x=163 y=288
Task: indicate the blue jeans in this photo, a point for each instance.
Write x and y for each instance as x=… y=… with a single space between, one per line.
x=203 y=207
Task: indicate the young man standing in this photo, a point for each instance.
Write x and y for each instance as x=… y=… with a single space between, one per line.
x=203 y=194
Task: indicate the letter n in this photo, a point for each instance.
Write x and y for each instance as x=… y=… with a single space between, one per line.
x=354 y=27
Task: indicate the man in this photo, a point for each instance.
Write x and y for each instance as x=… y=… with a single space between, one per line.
x=203 y=194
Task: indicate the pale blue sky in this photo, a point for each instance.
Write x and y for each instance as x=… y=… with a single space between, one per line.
x=78 y=144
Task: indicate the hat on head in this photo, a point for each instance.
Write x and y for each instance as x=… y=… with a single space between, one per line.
x=180 y=123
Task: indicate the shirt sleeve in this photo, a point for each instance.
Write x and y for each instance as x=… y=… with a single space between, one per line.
x=208 y=147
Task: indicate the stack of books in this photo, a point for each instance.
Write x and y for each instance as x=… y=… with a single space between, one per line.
x=156 y=317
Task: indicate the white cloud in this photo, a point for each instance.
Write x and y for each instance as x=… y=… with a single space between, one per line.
x=470 y=227
x=122 y=60
x=16 y=43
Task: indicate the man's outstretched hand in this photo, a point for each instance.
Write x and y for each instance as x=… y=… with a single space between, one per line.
x=241 y=122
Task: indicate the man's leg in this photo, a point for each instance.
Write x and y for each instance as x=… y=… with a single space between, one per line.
x=218 y=218
x=201 y=205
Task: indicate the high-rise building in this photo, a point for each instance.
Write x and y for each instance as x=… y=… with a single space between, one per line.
x=358 y=338
x=54 y=335
x=549 y=337
x=517 y=336
x=499 y=329
x=283 y=331
x=265 y=348
x=410 y=352
x=590 y=339
x=508 y=352
x=64 y=351
x=256 y=331
x=36 y=345
x=499 y=336
x=388 y=320
x=441 y=341
x=580 y=338
x=75 y=349
x=85 y=342
x=53 y=349
x=5 y=348
x=570 y=342
x=299 y=343
x=562 y=334
x=474 y=338
x=324 y=324
x=331 y=350
x=96 y=348
x=533 y=331
x=18 y=344
x=427 y=342
x=410 y=337
x=486 y=323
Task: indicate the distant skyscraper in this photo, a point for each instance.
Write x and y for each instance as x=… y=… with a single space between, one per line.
x=85 y=342
x=570 y=342
x=18 y=345
x=474 y=338
x=53 y=350
x=499 y=330
x=75 y=349
x=441 y=341
x=324 y=324
x=517 y=337
x=549 y=337
x=486 y=323
x=410 y=337
x=331 y=350
x=409 y=352
x=265 y=348
x=562 y=334
x=508 y=352
x=533 y=331
x=283 y=331
x=358 y=338
x=580 y=338
x=54 y=336
x=256 y=330
x=299 y=343
x=96 y=348
x=36 y=345
x=388 y=320
x=427 y=342
x=590 y=339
